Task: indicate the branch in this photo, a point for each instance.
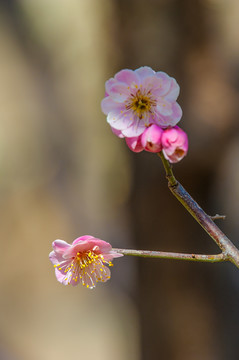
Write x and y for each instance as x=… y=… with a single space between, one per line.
x=227 y=247
x=173 y=256
x=217 y=216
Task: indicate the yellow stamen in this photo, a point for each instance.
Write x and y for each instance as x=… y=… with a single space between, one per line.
x=140 y=103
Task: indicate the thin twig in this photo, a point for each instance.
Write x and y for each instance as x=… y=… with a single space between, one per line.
x=173 y=256
x=227 y=247
x=218 y=217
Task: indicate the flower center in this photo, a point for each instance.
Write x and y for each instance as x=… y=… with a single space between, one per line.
x=88 y=268
x=140 y=103
x=84 y=259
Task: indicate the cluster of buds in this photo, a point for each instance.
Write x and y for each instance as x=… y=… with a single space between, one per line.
x=173 y=142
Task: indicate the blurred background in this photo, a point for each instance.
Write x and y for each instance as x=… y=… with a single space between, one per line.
x=63 y=174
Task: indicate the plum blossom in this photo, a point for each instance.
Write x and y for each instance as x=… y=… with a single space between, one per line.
x=84 y=261
x=136 y=99
x=175 y=144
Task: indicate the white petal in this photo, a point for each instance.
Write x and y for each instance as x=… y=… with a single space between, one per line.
x=120 y=121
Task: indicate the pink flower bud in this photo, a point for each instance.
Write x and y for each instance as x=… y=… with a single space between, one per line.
x=151 y=139
x=175 y=144
x=134 y=143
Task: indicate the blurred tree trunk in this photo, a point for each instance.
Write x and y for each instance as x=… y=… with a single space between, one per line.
x=176 y=301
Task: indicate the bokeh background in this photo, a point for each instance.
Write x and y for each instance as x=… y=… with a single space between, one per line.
x=63 y=174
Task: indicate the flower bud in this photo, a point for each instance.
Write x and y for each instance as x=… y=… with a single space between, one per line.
x=175 y=144
x=134 y=143
x=151 y=139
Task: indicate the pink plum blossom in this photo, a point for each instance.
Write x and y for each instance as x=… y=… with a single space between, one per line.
x=175 y=144
x=151 y=139
x=136 y=99
x=83 y=261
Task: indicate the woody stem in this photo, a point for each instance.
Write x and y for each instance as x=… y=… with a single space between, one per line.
x=229 y=251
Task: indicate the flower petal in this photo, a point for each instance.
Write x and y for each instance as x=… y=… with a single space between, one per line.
x=134 y=143
x=81 y=247
x=164 y=107
x=120 y=121
x=55 y=258
x=171 y=120
x=119 y=92
x=101 y=245
x=112 y=255
x=137 y=128
x=60 y=277
x=109 y=83
x=151 y=138
x=173 y=92
x=108 y=105
x=177 y=112
x=117 y=132
x=60 y=246
x=175 y=144
x=144 y=71
x=157 y=85
x=82 y=238
x=128 y=77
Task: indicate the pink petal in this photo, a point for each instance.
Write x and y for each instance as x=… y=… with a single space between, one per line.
x=175 y=144
x=128 y=77
x=119 y=92
x=103 y=246
x=81 y=247
x=109 y=83
x=117 y=132
x=177 y=112
x=82 y=238
x=112 y=255
x=163 y=76
x=164 y=107
x=134 y=143
x=165 y=81
x=158 y=86
x=86 y=243
x=151 y=139
x=55 y=258
x=171 y=120
x=60 y=277
x=108 y=105
x=173 y=92
x=60 y=246
x=144 y=71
